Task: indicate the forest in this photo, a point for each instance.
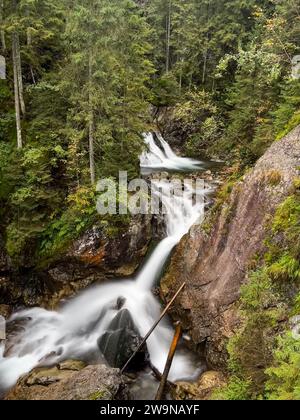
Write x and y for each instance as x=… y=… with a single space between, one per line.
x=83 y=80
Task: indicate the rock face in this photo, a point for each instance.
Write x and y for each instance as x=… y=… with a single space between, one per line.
x=214 y=265
x=119 y=255
x=94 y=257
x=71 y=381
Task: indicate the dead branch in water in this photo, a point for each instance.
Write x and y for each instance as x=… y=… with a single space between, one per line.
x=154 y=327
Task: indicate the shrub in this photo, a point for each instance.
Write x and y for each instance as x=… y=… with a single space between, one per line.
x=284 y=375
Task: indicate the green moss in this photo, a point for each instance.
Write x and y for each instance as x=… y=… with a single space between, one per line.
x=287 y=216
x=287 y=268
x=98 y=396
x=274 y=178
x=222 y=202
x=293 y=123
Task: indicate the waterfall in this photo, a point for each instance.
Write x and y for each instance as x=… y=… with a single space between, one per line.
x=48 y=337
x=164 y=159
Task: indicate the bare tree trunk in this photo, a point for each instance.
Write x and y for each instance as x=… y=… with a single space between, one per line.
x=19 y=70
x=16 y=90
x=91 y=127
x=204 y=67
x=168 y=37
x=91 y=147
x=2 y=34
x=29 y=43
x=28 y=31
x=180 y=80
x=29 y=37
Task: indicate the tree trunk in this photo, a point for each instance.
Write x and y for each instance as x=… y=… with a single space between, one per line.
x=168 y=37
x=16 y=91
x=28 y=31
x=2 y=34
x=207 y=46
x=91 y=148
x=91 y=126
x=204 y=67
x=19 y=70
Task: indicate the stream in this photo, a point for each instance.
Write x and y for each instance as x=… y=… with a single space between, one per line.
x=72 y=332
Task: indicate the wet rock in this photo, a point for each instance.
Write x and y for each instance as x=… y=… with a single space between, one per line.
x=5 y=311
x=119 y=254
x=94 y=257
x=120 y=303
x=121 y=340
x=214 y=262
x=75 y=365
x=73 y=382
x=201 y=390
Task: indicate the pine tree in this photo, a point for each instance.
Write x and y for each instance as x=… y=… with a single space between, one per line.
x=105 y=76
x=251 y=99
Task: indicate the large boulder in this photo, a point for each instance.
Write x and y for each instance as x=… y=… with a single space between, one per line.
x=121 y=340
x=71 y=381
x=214 y=264
x=119 y=254
x=208 y=383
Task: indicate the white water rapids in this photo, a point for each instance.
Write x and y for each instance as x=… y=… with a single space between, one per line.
x=72 y=331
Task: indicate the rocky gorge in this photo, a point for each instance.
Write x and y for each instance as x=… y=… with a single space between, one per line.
x=216 y=258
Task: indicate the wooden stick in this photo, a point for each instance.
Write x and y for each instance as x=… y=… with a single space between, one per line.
x=153 y=328
x=164 y=379
x=157 y=375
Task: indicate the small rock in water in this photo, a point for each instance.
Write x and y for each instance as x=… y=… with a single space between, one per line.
x=121 y=340
x=120 y=303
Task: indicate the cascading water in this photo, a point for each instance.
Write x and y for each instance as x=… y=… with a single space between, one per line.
x=72 y=332
x=160 y=159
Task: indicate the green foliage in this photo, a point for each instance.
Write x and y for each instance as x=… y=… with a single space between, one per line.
x=258 y=294
x=286 y=268
x=79 y=214
x=196 y=46
x=250 y=101
x=164 y=91
x=79 y=61
x=236 y=390
x=7 y=117
x=34 y=201
x=284 y=375
x=250 y=349
x=104 y=77
x=197 y=122
x=287 y=116
x=287 y=222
